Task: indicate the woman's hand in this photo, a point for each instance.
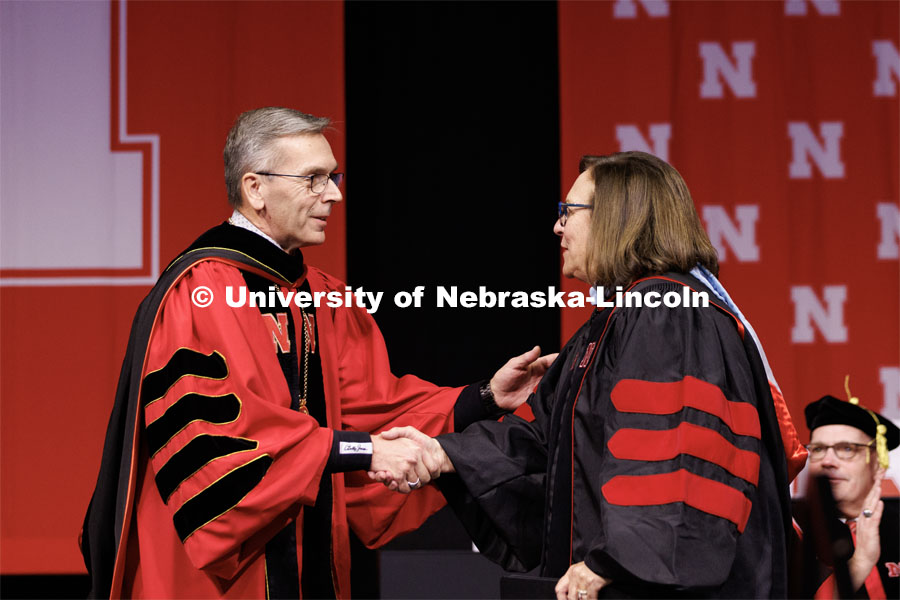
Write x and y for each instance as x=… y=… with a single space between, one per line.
x=514 y=382
x=579 y=583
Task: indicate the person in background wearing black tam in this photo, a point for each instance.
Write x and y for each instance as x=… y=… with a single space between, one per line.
x=849 y=445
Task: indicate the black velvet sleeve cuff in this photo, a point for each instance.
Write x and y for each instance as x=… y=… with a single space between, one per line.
x=596 y=564
x=475 y=403
x=350 y=451
x=605 y=567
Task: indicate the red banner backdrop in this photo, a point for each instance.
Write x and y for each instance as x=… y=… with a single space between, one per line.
x=783 y=119
x=162 y=82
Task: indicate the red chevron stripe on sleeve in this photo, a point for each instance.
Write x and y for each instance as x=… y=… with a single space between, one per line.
x=656 y=398
x=687 y=438
x=705 y=495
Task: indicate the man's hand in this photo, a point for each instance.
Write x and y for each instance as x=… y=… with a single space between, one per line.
x=399 y=461
x=868 y=539
x=515 y=380
x=430 y=456
x=579 y=583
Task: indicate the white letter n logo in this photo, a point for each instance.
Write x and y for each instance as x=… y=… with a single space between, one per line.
x=887 y=61
x=806 y=145
x=717 y=66
x=631 y=138
x=627 y=9
x=741 y=238
x=829 y=319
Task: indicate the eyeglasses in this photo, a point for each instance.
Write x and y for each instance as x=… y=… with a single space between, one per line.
x=843 y=450
x=317 y=182
x=563 y=211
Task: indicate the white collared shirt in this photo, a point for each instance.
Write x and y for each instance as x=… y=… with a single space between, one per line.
x=239 y=220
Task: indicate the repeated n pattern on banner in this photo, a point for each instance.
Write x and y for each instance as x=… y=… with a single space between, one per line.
x=114 y=118
x=781 y=115
x=783 y=119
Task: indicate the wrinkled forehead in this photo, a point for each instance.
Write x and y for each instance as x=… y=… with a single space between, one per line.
x=304 y=154
x=831 y=434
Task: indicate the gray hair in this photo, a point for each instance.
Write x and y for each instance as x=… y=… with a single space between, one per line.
x=249 y=144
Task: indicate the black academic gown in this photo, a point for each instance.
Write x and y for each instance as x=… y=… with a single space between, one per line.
x=654 y=457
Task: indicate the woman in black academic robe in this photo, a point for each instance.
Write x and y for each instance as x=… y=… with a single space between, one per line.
x=655 y=463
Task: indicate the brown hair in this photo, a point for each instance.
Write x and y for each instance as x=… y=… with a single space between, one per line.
x=644 y=221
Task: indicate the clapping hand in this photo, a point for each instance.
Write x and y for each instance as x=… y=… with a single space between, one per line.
x=868 y=538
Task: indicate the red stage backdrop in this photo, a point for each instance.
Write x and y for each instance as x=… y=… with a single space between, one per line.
x=114 y=117
x=782 y=116
x=783 y=119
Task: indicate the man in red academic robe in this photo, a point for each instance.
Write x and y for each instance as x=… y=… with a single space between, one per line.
x=250 y=399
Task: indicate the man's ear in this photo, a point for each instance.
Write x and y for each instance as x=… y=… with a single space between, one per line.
x=251 y=190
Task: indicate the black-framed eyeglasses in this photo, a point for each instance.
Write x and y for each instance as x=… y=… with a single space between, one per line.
x=843 y=450
x=317 y=182
x=563 y=211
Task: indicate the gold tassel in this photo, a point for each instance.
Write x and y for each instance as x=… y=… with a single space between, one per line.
x=884 y=457
x=850 y=398
x=880 y=430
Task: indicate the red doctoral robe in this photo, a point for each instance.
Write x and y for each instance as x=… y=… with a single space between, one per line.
x=206 y=460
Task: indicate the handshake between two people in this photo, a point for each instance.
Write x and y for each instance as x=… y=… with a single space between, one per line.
x=405 y=459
